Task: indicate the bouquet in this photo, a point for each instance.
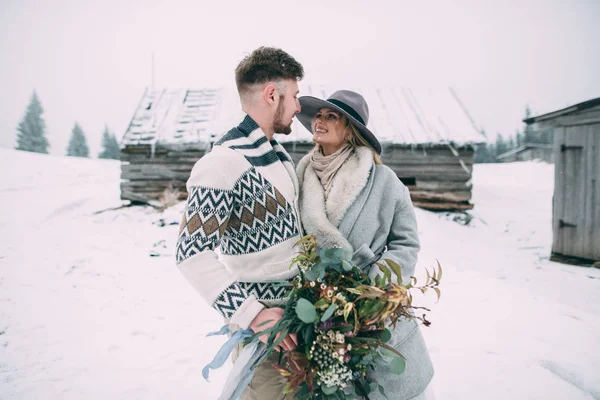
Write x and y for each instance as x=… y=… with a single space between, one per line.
x=341 y=318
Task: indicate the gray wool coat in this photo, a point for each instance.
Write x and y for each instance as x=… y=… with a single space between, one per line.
x=369 y=211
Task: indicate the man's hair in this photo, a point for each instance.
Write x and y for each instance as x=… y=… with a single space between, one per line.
x=266 y=64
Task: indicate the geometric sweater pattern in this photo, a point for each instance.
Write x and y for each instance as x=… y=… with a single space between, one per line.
x=249 y=218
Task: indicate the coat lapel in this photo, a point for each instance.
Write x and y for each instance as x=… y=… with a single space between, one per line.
x=349 y=181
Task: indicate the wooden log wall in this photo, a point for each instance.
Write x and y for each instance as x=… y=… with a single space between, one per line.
x=433 y=175
x=145 y=175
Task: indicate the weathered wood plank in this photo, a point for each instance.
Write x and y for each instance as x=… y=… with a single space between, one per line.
x=148 y=176
x=156 y=171
x=446 y=206
x=143 y=159
x=438 y=170
x=419 y=195
x=575 y=176
x=596 y=192
x=558 y=199
x=145 y=197
x=412 y=161
x=590 y=239
x=565 y=259
x=463 y=177
x=443 y=186
x=152 y=185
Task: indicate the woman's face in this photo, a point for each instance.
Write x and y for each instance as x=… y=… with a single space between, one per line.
x=329 y=130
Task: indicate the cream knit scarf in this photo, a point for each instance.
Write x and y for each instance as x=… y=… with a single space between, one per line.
x=326 y=167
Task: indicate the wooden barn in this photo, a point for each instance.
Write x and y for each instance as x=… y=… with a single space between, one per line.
x=427 y=136
x=170 y=131
x=529 y=152
x=576 y=201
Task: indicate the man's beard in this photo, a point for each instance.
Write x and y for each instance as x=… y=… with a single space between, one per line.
x=278 y=126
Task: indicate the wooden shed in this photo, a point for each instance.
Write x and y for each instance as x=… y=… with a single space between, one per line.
x=529 y=152
x=576 y=200
x=427 y=137
x=170 y=131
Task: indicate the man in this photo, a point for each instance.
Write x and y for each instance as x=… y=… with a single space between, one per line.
x=243 y=198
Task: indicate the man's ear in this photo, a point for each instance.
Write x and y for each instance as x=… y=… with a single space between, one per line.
x=270 y=94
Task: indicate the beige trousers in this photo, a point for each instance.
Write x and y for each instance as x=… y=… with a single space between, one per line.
x=266 y=383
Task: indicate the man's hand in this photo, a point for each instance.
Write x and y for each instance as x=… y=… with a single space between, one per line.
x=273 y=315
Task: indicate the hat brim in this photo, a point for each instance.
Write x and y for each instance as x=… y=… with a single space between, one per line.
x=309 y=107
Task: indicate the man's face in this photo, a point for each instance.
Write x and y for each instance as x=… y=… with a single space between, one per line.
x=287 y=108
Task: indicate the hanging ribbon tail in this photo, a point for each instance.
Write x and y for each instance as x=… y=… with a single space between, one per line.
x=225 y=350
x=223 y=331
x=243 y=370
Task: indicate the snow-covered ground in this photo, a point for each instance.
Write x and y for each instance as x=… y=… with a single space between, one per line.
x=93 y=307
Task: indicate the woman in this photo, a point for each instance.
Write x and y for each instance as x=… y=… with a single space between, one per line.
x=349 y=199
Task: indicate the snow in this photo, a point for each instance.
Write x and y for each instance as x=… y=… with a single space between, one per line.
x=87 y=312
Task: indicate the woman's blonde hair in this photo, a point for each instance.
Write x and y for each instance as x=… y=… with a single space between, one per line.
x=355 y=139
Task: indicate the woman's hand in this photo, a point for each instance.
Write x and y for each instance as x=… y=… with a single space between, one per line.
x=273 y=315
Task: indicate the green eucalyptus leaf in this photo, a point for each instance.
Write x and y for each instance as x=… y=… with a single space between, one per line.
x=398 y=365
x=387 y=353
x=306 y=311
x=373 y=386
x=347 y=266
x=329 y=312
x=386 y=335
x=328 y=389
x=382 y=391
x=312 y=274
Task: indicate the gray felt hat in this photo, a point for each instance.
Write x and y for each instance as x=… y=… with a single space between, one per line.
x=348 y=103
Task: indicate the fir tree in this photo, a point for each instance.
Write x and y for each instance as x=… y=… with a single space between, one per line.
x=31 y=134
x=520 y=140
x=485 y=152
x=78 y=144
x=501 y=145
x=511 y=143
x=110 y=146
x=527 y=131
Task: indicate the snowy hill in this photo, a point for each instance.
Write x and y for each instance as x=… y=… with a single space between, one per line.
x=87 y=313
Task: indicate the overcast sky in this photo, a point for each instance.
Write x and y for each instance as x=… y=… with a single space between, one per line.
x=89 y=61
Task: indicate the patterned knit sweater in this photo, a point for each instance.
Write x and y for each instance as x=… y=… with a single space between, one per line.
x=242 y=199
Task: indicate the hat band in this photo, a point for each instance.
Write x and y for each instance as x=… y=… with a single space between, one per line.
x=348 y=109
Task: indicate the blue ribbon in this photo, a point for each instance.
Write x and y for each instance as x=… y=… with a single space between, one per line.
x=225 y=350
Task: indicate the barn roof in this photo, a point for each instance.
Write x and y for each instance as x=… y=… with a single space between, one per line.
x=564 y=111
x=397 y=115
